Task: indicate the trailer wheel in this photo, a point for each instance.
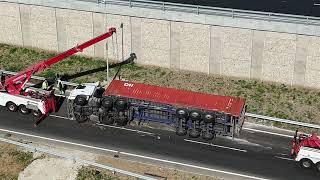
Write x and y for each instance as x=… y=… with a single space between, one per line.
x=36 y=113
x=24 y=110
x=107 y=120
x=318 y=166
x=207 y=136
x=182 y=113
x=80 y=100
x=121 y=104
x=195 y=115
x=181 y=132
x=306 y=163
x=12 y=107
x=194 y=133
x=208 y=118
x=81 y=118
x=107 y=103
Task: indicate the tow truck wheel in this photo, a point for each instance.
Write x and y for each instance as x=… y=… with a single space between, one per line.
x=306 y=163
x=36 y=113
x=24 y=110
x=12 y=107
x=318 y=166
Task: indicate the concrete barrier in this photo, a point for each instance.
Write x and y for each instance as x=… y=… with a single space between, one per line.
x=254 y=49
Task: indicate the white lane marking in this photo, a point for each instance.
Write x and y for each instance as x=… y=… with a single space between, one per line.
x=266 y=132
x=61 y=117
x=288 y=159
x=123 y=128
x=136 y=155
x=57 y=140
x=214 y=145
x=194 y=166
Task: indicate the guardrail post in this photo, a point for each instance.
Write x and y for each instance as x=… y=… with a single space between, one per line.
x=198 y=9
x=130 y=5
x=163 y=8
x=232 y=13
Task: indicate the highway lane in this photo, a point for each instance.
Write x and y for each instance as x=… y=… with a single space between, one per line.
x=295 y=7
x=258 y=160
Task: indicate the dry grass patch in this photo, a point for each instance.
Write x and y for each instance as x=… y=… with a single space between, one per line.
x=12 y=161
x=90 y=173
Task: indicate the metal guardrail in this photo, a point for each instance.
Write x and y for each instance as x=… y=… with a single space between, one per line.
x=286 y=121
x=197 y=9
x=86 y=162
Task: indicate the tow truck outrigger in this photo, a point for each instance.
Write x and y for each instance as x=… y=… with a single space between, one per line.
x=16 y=96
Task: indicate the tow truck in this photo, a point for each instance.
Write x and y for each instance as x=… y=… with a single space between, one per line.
x=306 y=150
x=16 y=95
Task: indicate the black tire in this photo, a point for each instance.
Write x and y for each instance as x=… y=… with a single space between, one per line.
x=87 y=111
x=306 y=163
x=107 y=103
x=121 y=105
x=194 y=133
x=12 y=106
x=181 y=113
x=181 y=132
x=80 y=100
x=36 y=113
x=81 y=118
x=318 y=166
x=195 y=115
x=208 y=118
x=77 y=109
x=207 y=136
x=24 y=110
x=107 y=120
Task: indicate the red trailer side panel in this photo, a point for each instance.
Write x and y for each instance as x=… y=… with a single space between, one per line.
x=176 y=97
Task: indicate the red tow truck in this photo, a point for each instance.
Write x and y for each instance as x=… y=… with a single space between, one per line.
x=15 y=95
x=306 y=150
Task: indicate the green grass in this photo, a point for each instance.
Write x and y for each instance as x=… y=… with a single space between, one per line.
x=270 y=99
x=86 y=173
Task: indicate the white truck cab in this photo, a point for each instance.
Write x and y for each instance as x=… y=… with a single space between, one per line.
x=309 y=157
x=86 y=89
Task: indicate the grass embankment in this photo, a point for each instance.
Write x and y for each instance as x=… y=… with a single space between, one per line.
x=276 y=100
x=13 y=161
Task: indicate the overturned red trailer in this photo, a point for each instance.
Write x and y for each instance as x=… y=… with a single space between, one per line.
x=194 y=113
x=198 y=114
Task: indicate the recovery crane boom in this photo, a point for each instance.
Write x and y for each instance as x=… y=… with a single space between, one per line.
x=15 y=84
x=12 y=89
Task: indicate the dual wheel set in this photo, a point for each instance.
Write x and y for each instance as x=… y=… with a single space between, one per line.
x=197 y=117
x=107 y=110
x=22 y=109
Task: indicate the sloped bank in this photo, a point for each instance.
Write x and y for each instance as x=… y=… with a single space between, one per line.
x=276 y=100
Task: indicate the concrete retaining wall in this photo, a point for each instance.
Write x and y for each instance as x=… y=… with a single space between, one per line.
x=213 y=48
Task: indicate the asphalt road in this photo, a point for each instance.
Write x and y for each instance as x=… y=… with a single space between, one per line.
x=255 y=154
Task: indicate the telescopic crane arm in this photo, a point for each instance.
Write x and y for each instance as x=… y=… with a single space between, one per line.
x=14 y=84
